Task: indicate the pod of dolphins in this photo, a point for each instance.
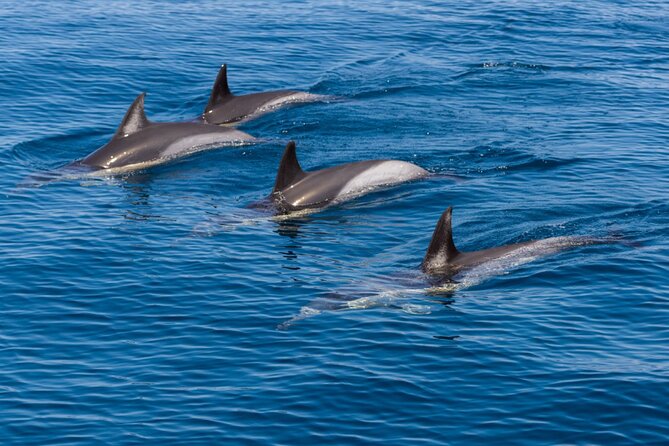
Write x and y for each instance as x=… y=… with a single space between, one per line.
x=139 y=143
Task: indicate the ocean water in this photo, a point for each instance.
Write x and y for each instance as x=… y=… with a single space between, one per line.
x=153 y=307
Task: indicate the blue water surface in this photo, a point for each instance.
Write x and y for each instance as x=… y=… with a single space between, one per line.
x=154 y=308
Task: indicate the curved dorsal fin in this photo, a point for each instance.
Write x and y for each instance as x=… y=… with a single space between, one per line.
x=220 y=89
x=442 y=240
x=289 y=169
x=134 y=119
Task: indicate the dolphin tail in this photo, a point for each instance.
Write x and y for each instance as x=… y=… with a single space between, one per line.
x=441 y=245
x=134 y=120
x=220 y=89
x=289 y=169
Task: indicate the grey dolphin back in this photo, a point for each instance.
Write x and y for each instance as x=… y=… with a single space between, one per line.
x=290 y=170
x=134 y=120
x=442 y=244
x=138 y=140
x=220 y=91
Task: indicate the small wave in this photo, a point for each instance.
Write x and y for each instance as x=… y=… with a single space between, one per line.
x=50 y=151
x=506 y=66
x=539 y=164
x=492 y=159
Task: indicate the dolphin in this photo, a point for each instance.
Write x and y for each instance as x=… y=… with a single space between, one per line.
x=226 y=108
x=140 y=142
x=444 y=260
x=296 y=190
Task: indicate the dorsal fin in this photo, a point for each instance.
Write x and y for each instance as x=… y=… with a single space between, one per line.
x=220 y=89
x=442 y=240
x=134 y=119
x=289 y=169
